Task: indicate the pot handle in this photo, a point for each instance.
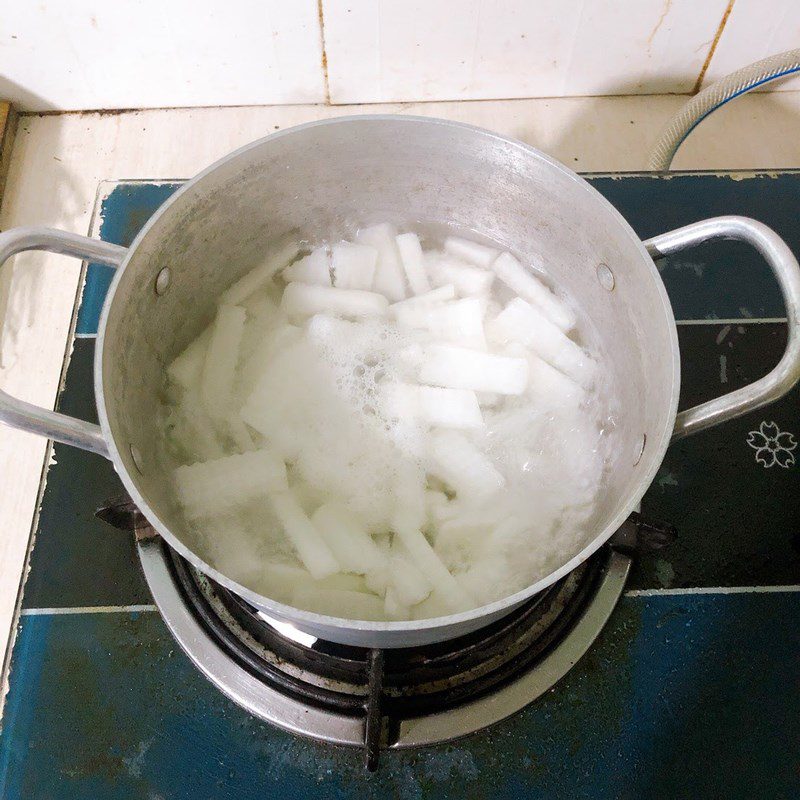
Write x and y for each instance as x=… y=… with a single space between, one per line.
x=783 y=263
x=26 y=416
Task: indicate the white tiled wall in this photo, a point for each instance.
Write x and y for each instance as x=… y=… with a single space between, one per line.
x=396 y=50
x=754 y=30
x=88 y=54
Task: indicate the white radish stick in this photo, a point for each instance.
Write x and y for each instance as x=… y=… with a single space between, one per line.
x=352 y=546
x=413 y=263
x=461 y=465
x=262 y=317
x=343 y=580
x=212 y=487
x=186 y=369
x=449 y=408
x=393 y=607
x=460 y=321
x=314 y=268
x=471 y=252
x=216 y=384
x=521 y=322
x=240 y=434
x=278 y=581
x=193 y=430
x=460 y=368
x=252 y=367
x=353 y=265
x=406 y=582
x=530 y=288
x=429 y=299
x=390 y=279
x=339 y=603
x=550 y=388
x=439 y=508
x=309 y=545
x=301 y=300
x=468 y=281
x=431 y=566
x=246 y=285
x=435 y=605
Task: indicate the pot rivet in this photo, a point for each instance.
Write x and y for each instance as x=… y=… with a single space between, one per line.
x=162 y=281
x=137 y=458
x=641 y=450
x=606 y=277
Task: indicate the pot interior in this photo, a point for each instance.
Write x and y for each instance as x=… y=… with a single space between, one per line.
x=322 y=181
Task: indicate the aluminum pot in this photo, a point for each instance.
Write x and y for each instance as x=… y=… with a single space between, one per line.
x=313 y=181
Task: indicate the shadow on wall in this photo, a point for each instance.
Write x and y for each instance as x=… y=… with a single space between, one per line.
x=23 y=98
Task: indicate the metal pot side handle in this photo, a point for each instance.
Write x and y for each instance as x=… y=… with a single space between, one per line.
x=783 y=263
x=26 y=416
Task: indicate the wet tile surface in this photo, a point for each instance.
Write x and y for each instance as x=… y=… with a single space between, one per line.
x=682 y=695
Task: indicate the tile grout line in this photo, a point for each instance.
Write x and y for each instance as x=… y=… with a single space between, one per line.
x=42 y=612
x=701 y=590
x=782 y=589
x=713 y=49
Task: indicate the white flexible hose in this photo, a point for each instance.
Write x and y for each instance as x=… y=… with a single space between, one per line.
x=716 y=95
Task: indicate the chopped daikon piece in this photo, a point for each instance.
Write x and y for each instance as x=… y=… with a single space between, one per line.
x=251 y=368
x=348 y=539
x=461 y=465
x=262 y=318
x=314 y=268
x=471 y=252
x=406 y=582
x=468 y=281
x=460 y=368
x=343 y=580
x=460 y=321
x=435 y=605
x=440 y=509
x=521 y=322
x=490 y=399
x=392 y=606
x=550 y=388
x=240 y=434
x=413 y=264
x=216 y=385
x=431 y=566
x=279 y=581
x=530 y=288
x=389 y=276
x=449 y=408
x=353 y=265
x=192 y=432
x=301 y=300
x=212 y=487
x=276 y=260
x=186 y=369
x=309 y=545
x=433 y=297
x=339 y=603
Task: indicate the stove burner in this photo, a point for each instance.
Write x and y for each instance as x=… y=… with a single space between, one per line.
x=383 y=698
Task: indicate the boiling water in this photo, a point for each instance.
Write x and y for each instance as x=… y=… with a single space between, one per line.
x=467 y=424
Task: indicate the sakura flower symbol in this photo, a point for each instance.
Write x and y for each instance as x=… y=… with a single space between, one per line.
x=772 y=445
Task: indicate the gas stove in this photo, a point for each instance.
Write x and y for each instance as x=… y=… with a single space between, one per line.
x=663 y=672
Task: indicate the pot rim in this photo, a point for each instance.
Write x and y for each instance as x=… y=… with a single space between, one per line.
x=297 y=616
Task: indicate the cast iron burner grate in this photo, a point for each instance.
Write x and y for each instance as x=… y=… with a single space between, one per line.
x=394 y=697
x=385 y=687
